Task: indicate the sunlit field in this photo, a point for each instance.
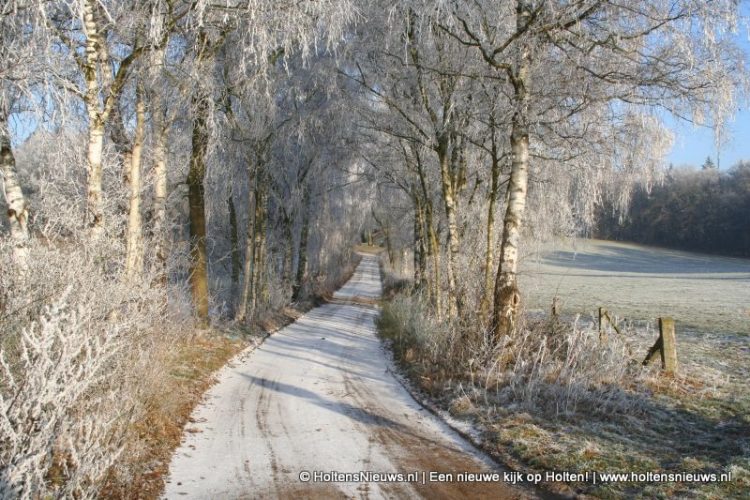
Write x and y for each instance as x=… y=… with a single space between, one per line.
x=703 y=293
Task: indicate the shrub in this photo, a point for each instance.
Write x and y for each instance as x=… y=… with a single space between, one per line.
x=71 y=332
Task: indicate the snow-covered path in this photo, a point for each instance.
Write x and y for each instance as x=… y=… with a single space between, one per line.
x=317 y=397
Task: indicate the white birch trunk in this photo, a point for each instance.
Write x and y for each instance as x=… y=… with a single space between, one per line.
x=160 y=189
x=17 y=207
x=161 y=134
x=134 y=235
x=95 y=215
x=94 y=180
x=507 y=297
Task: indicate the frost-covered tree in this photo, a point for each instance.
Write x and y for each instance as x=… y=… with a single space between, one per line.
x=256 y=31
x=708 y=164
x=21 y=75
x=418 y=75
x=566 y=60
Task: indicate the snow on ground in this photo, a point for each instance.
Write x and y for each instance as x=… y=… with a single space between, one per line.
x=317 y=397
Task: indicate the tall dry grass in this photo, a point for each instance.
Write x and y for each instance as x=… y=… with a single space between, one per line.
x=550 y=367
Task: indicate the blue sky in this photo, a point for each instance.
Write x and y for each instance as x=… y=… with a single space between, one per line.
x=692 y=144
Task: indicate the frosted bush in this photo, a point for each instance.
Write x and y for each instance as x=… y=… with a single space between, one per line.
x=71 y=328
x=56 y=430
x=552 y=367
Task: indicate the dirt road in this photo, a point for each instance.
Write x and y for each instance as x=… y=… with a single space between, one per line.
x=317 y=398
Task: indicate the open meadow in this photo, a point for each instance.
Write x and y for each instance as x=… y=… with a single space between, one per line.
x=701 y=292
x=708 y=296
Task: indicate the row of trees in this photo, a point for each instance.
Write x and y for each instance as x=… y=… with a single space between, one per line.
x=161 y=160
x=466 y=108
x=490 y=122
x=178 y=84
x=701 y=210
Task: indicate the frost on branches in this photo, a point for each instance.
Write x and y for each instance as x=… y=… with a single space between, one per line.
x=57 y=433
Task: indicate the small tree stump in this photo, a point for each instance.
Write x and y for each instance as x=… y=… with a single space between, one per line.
x=666 y=346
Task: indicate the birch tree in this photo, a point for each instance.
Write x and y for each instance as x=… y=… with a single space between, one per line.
x=20 y=74
x=421 y=82
x=161 y=119
x=134 y=235
x=18 y=213
x=86 y=28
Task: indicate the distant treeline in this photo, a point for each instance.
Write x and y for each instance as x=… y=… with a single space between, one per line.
x=704 y=210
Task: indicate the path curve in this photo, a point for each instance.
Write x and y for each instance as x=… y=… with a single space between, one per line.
x=318 y=397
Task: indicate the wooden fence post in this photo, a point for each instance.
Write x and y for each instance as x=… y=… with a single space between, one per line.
x=666 y=346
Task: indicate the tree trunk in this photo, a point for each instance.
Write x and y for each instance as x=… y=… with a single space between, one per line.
x=288 y=253
x=196 y=200
x=419 y=245
x=449 y=202
x=261 y=283
x=489 y=254
x=385 y=230
x=507 y=297
x=161 y=133
x=134 y=236
x=248 y=269
x=95 y=211
x=302 y=252
x=433 y=243
x=124 y=147
x=160 y=193
x=258 y=244
x=94 y=180
x=18 y=214
x=433 y=251
x=388 y=245
x=235 y=242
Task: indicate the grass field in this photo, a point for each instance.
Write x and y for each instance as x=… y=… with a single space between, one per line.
x=702 y=293
x=708 y=297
